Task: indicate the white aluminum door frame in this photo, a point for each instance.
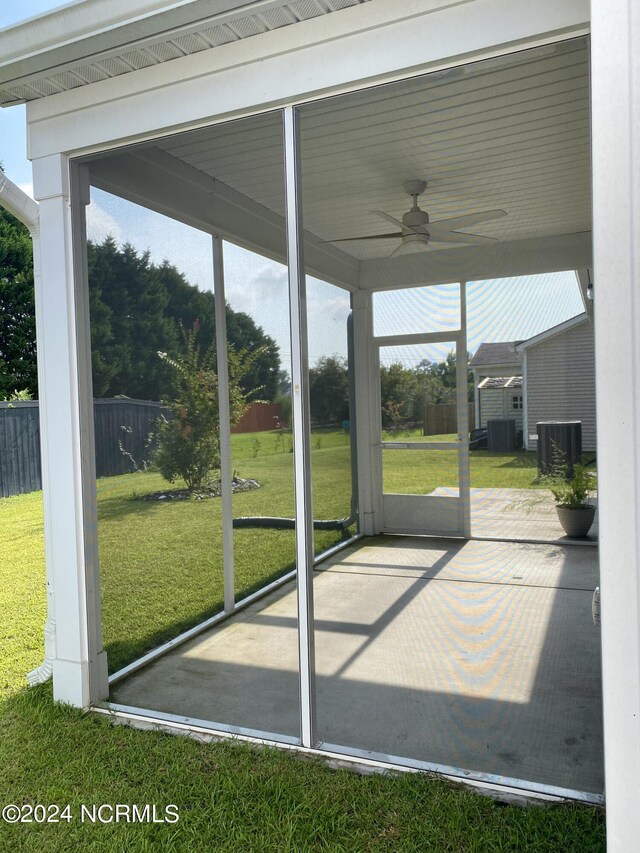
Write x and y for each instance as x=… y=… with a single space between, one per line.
x=451 y=516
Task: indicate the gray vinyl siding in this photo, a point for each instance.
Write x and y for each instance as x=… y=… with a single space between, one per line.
x=561 y=382
x=496 y=403
x=510 y=412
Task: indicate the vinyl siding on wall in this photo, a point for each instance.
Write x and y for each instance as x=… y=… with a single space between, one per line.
x=561 y=382
x=495 y=403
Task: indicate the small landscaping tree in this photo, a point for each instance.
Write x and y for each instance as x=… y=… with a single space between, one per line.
x=189 y=439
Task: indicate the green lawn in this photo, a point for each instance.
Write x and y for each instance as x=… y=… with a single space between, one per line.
x=416 y=473
x=161 y=569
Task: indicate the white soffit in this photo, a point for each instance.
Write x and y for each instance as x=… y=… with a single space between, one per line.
x=92 y=40
x=509 y=133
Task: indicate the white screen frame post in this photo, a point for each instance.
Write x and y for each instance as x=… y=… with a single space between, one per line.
x=464 y=475
x=301 y=427
x=224 y=415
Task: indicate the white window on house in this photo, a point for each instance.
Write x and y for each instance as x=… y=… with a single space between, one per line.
x=516 y=402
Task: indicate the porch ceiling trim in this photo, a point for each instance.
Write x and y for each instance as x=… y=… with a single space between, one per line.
x=531 y=256
x=165 y=184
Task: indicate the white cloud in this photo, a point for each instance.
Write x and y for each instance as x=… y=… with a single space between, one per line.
x=101 y=225
x=254 y=285
x=27 y=188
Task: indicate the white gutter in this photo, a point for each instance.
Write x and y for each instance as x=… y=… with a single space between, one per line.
x=18 y=203
x=21 y=206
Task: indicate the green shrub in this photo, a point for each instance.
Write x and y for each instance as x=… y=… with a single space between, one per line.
x=189 y=439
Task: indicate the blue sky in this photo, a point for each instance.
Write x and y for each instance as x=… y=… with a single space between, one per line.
x=509 y=310
x=13 y=148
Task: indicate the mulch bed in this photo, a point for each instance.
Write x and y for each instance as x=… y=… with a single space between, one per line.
x=211 y=490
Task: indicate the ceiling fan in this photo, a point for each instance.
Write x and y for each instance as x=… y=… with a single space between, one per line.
x=416 y=228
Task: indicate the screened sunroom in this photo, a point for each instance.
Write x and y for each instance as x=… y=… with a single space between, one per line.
x=364 y=208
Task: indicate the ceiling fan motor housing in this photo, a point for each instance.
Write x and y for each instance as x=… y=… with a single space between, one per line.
x=415 y=219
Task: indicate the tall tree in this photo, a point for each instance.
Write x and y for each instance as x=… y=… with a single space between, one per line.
x=245 y=335
x=400 y=394
x=139 y=309
x=18 y=370
x=442 y=379
x=329 y=390
x=405 y=390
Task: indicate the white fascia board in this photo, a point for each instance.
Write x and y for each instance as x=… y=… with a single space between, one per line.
x=502 y=259
x=362 y=45
x=79 y=30
x=552 y=332
x=160 y=182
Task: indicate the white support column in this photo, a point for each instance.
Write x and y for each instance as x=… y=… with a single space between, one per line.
x=301 y=428
x=615 y=82
x=368 y=428
x=225 y=426
x=525 y=403
x=62 y=335
x=462 y=398
x=476 y=399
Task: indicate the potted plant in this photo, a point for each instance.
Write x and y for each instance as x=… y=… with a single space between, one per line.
x=571 y=486
x=571 y=495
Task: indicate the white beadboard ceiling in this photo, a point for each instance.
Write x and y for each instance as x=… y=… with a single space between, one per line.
x=138 y=42
x=510 y=133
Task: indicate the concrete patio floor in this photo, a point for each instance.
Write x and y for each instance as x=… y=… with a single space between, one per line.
x=511 y=514
x=478 y=655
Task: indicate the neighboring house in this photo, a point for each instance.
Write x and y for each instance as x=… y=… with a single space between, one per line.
x=549 y=377
x=499 y=398
x=497 y=379
x=559 y=379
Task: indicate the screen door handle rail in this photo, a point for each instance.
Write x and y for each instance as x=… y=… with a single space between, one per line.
x=420 y=445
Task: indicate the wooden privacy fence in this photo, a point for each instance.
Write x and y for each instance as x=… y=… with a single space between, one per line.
x=259 y=417
x=19 y=448
x=124 y=431
x=125 y=434
x=442 y=418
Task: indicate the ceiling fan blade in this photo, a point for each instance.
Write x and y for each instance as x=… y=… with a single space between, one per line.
x=398 y=249
x=389 y=218
x=365 y=237
x=467 y=219
x=405 y=247
x=459 y=237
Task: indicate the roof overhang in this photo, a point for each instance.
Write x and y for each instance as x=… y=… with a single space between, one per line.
x=553 y=331
x=515 y=137
x=88 y=41
x=489 y=383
